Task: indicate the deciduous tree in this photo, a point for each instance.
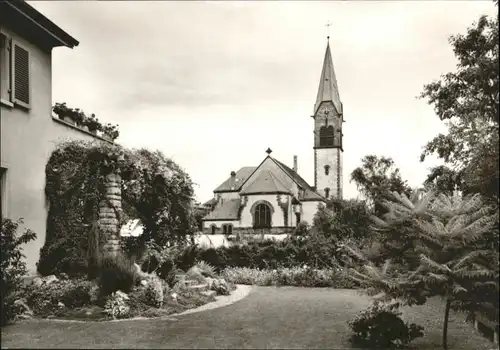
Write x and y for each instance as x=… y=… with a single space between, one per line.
x=467 y=100
x=376 y=177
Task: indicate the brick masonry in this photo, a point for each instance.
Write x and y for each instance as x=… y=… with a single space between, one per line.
x=109 y=211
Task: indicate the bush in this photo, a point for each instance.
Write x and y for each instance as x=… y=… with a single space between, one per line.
x=206 y=269
x=195 y=274
x=116 y=273
x=220 y=286
x=297 y=276
x=314 y=250
x=45 y=299
x=116 y=305
x=13 y=268
x=78 y=294
x=381 y=326
x=153 y=293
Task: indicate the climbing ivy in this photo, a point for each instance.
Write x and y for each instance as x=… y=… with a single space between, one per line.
x=154 y=189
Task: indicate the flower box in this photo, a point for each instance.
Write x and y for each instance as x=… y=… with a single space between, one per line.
x=67 y=119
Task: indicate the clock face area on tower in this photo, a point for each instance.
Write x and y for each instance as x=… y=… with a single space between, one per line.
x=326 y=111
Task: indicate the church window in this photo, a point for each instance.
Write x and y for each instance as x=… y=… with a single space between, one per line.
x=326 y=136
x=297 y=219
x=327 y=192
x=262 y=216
x=327 y=169
x=214 y=229
x=227 y=229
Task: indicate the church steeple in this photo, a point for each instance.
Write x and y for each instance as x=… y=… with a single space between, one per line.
x=328 y=118
x=328 y=89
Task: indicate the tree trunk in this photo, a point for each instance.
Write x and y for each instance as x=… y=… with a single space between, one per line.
x=109 y=211
x=445 y=325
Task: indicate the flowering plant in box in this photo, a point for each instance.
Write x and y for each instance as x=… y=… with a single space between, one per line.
x=92 y=123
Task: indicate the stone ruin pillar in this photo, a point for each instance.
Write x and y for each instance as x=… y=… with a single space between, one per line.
x=110 y=209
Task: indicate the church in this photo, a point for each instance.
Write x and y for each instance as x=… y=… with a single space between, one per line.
x=273 y=198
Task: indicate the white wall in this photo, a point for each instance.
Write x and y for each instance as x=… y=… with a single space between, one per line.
x=277 y=218
x=309 y=210
x=28 y=137
x=219 y=223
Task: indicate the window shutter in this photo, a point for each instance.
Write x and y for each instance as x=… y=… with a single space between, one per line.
x=21 y=74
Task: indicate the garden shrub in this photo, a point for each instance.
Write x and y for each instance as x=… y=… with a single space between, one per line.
x=380 y=326
x=315 y=251
x=215 y=257
x=206 y=269
x=13 y=268
x=187 y=257
x=296 y=276
x=116 y=273
x=78 y=294
x=153 y=292
x=190 y=299
x=221 y=287
x=117 y=305
x=45 y=299
x=194 y=273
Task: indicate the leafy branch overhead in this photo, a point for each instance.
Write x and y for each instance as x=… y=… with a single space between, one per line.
x=468 y=101
x=154 y=189
x=376 y=177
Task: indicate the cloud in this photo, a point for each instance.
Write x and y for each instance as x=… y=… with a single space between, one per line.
x=213 y=84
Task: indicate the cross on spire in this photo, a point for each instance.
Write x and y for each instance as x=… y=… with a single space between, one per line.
x=328 y=25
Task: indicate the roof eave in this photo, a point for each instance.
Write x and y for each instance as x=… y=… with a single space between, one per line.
x=227 y=191
x=30 y=13
x=313 y=200
x=264 y=192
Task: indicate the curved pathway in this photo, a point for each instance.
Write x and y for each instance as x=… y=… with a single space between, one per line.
x=270 y=317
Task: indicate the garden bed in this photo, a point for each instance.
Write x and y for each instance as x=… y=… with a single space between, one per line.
x=80 y=299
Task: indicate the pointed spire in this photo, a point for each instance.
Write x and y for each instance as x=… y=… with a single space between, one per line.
x=328 y=89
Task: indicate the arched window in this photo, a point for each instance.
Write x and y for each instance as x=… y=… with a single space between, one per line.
x=224 y=229
x=327 y=169
x=326 y=136
x=262 y=216
x=327 y=192
x=229 y=229
x=214 y=229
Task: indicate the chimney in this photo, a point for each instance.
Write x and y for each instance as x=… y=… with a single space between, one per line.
x=295 y=164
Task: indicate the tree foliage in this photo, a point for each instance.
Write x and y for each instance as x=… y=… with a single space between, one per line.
x=467 y=100
x=448 y=250
x=12 y=266
x=154 y=189
x=376 y=177
x=344 y=219
x=161 y=194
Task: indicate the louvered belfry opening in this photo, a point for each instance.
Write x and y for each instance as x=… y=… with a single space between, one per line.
x=326 y=136
x=21 y=75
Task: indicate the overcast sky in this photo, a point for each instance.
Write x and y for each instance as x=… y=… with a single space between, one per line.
x=214 y=84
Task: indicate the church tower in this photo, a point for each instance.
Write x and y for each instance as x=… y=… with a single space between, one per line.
x=328 y=119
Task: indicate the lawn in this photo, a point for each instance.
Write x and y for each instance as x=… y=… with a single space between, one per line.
x=270 y=317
